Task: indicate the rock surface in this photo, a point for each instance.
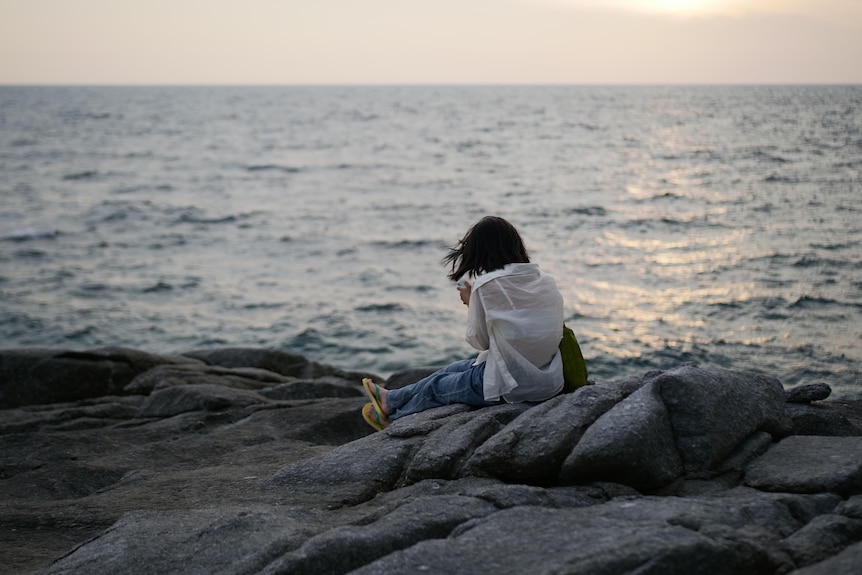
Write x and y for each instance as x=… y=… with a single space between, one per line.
x=258 y=461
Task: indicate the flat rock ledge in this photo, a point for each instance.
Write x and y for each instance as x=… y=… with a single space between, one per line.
x=247 y=461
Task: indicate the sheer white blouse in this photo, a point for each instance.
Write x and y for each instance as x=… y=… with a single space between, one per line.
x=515 y=318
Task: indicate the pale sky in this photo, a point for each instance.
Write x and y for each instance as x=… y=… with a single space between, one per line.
x=430 y=41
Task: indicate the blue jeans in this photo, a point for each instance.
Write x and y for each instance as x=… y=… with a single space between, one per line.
x=460 y=382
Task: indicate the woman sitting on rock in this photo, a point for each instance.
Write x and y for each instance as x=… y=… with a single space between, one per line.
x=515 y=319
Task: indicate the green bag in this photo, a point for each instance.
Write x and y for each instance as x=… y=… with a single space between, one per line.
x=574 y=366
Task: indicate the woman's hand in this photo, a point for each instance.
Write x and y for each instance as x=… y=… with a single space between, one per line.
x=464 y=290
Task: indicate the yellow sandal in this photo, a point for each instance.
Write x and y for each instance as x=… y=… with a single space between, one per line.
x=374 y=394
x=373 y=417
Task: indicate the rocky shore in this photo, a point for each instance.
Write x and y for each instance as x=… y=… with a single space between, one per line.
x=246 y=461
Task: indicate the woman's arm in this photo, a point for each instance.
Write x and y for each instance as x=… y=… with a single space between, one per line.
x=477 y=328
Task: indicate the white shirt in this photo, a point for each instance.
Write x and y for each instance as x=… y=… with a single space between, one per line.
x=515 y=318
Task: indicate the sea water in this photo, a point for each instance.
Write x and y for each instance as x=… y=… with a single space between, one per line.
x=720 y=225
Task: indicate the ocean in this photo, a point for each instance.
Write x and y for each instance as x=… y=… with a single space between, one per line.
x=720 y=225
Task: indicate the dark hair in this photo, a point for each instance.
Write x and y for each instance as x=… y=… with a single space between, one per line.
x=489 y=245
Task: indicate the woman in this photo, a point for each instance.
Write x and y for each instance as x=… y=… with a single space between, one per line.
x=515 y=320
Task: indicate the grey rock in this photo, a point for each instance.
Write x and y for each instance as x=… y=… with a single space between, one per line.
x=632 y=443
x=777 y=515
x=346 y=548
x=534 y=445
x=466 y=526
x=244 y=461
x=190 y=541
x=753 y=447
x=327 y=386
x=713 y=411
x=163 y=376
x=851 y=508
x=174 y=400
x=74 y=415
x=824 y=536
x=820 y=420
x=577 y=541
x=276 y=361
x=622 y=433
x=809 y=464
x=808 y=393
x=446 y=450
x=845 y=563
x=351 y=473
x=41 y=376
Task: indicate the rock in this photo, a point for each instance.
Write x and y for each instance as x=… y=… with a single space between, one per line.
x=351 y=473
x=819 y=420
x=810 y=464
x=163 y=376
x=534 y=445
x=713 y=411
x=632 y=443
x=187 y=541
x=824 y=536
x=446 y=451
x=564 y=541
x=463 y=526
x=349 y=547
x=401 y=455
x=68 y=416
x=326 y=386
x=251 y=461
x=753 y=447
x=846 y=409
x=845 y=563
x=645 y=535
x=281 y=362
x=623 y=433
x=851 y=508
x=808 y=393
x=198 y=397
x=39 y=376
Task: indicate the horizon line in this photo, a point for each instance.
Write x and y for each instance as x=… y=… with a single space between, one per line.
x=408 y=84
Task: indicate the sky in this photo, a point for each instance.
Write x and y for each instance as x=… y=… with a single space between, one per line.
x=216 y=42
